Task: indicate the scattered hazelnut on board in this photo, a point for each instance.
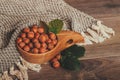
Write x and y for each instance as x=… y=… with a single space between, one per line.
x=56 y=64
x=53 y=60
x=58 y=56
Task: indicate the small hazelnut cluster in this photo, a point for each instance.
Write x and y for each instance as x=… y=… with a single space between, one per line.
x=35 y=40
x=55 y=62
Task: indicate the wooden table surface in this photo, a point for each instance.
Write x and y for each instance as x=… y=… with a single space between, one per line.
x=107 y=68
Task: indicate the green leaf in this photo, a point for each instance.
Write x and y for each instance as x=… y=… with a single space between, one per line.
x=70 y=63
x=55 y=26
x=70 y=57
x=46 y=28
x=74 y=50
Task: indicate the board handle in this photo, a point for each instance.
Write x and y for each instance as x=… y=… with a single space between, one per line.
x=69 y=38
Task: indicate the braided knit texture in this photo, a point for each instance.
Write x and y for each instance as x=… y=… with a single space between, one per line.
x=17 y=14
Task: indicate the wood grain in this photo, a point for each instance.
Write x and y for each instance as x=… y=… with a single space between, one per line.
x=92 y=69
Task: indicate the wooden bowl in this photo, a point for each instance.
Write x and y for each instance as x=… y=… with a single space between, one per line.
x=65 y=40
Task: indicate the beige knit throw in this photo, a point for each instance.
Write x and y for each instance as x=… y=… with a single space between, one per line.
x=17 y=14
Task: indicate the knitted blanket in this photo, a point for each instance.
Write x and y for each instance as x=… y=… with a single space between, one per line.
x=17 y=14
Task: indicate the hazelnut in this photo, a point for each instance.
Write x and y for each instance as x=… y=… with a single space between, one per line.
x=23 y=35
x=34 y=40
x=46 y=36
x=26 y=48
x=37 y=45
x=30 y=35
x=21 y=44
x=37 y=35
x=26 y=30
x=35 y=50
x=54 y=42
x=30 y=45
x=42 y=50
x=58 y=56
x=56 y=64
x=52 y=36
x=50 y=46
x=53 y=60
x=34 y=28
x=26 y=40
x=19 y=40
x=44 y=45
x=48 y=41
x=41 y=30
x=42 y=38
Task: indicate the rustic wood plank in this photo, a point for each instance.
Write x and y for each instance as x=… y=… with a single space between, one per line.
x=97 y=69
x=110 y=47
x=92 y=69
x=111 y=19
x=97 y=7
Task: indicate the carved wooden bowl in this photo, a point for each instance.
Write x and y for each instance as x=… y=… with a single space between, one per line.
x=65 y=40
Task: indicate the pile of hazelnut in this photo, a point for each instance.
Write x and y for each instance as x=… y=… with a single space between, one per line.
x=35 y=40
